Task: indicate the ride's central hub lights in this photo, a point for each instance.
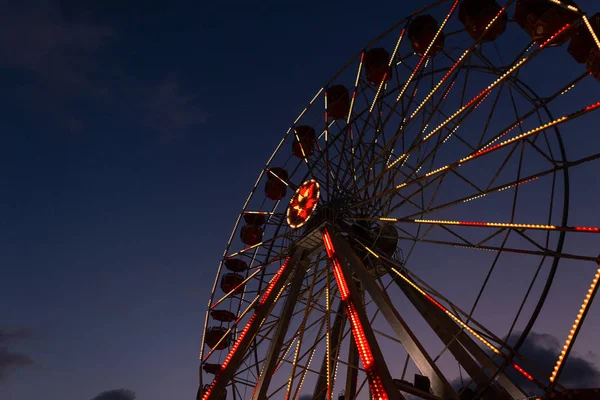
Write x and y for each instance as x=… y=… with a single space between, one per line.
x=303 y=203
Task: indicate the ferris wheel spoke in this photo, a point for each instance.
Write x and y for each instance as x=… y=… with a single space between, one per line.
x=589 y=298
x=277 y=340
x=426 y=366
x=581 y=229
x=300 y=335
x=546 y=252
x=428 y=97
x=467 y=348
x=469 y=106
x=380 y=380
x=243 y=341
x=503 y=187
x=430 y=306
x=487 y=150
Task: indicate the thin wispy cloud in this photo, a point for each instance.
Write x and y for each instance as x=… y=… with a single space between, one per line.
x=69 y=60
x=11 y=360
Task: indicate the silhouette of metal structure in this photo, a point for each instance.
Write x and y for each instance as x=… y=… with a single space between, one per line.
x=431 y=147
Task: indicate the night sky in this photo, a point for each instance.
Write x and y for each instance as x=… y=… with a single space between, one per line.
x=131 y=133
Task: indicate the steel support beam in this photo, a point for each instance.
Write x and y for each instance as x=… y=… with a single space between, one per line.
x=440 y=386
x=352 y=371
x=354 y=303
x=339 y=322
x=243 y=342
x=470 y=356
x=268 y=369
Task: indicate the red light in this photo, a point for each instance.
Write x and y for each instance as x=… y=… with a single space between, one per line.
x=522 y=371
x=593 y=106
x=362 y=344
x=249 y=324
x=303 y=204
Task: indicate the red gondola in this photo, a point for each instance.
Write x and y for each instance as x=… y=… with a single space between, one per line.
x=275 y=188
x=306 y=145
x=251 y=234
x=338 y=102
x=593 y=63
x=421 y=32
x=377 y=63
x=476 y=15
x=541 y=19
x=214 y=335
x=255 y=219
x=236 y=265
x=582 y=42
x=230 y=281
x=211 y=368
x=223 y=315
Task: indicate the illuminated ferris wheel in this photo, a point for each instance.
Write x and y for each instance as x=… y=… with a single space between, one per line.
x=408 y=230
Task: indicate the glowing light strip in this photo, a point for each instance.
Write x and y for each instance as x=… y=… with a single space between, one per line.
x=570 y=7
x=249 y=324
x=460 y=322
x=440 y=83
x=301 y=146
x=490 y=87
x=592 y=31
x=362 y=344
x=575 y=327
x=500 y=145
x=385 y=76
x=502 y=188
x=309 y=104
x=431 y=44
x=312 y=354
x=362 y=57
x=278 y=177
x=492 y=224
x=216 y=304
x=500 y=136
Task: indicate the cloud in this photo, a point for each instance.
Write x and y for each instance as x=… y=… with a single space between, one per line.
x=542 y=350
x=36 y=37
x=71 y=60
x=166 y=109
x=10 y=360
x=120 y=394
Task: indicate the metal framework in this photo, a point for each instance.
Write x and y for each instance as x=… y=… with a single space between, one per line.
x=384 y=239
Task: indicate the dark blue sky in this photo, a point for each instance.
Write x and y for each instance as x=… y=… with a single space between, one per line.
x=130 y=135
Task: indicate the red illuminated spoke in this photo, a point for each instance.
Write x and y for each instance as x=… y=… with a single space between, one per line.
x=491 y=224
x=435 y=89
x=397 y=270
x=496 y=147
x=468 y=107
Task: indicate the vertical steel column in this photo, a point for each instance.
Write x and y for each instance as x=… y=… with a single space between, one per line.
x=352 y=371
x=462 y=346
x=336 y=334
x=242 y=343
x=380 y=372
x=268 y=369
x=416 y=351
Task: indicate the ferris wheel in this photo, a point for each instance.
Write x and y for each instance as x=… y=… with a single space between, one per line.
x=408 y=229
